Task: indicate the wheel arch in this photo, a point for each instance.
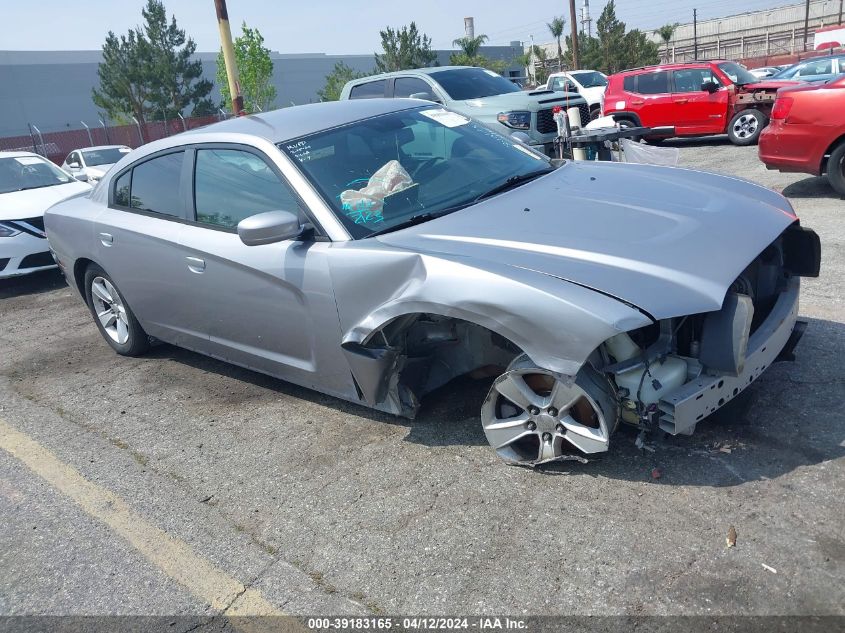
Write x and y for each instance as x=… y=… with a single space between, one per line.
x=79 y=268
x=830 y=148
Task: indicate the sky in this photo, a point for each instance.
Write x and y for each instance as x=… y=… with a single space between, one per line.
x=331 y=26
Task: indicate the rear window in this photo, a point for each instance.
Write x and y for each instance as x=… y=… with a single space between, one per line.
x=370 y=90
x=155 y=185
x=653 y=83
x=630 y=83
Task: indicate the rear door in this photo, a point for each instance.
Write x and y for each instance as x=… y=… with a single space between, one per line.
x=652 y=99
x=137 y=239
x=404 y=87
x=369 y=90
x=698 y=111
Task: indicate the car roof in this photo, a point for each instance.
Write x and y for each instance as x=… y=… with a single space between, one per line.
x=672 y=66
x=290 y=123
x=16 y=154
x=413 y=71
x=85 y=149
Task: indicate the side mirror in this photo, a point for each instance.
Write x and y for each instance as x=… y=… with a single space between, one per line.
x=710 y=86
x=426 y=96
x=269 y=227
x=74 y=165
x=81 y=177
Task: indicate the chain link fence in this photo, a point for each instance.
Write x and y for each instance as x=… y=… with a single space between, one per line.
x=57 y=144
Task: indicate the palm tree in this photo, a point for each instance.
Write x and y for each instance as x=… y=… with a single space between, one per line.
x=666 y=32
x=470 y=45
x=556 y=28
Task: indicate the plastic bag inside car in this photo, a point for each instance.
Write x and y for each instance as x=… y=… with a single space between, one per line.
x=365 y=206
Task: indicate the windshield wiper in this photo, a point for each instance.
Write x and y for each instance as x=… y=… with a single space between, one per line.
x=514 y=181
x=49 y=184
x=413 y=220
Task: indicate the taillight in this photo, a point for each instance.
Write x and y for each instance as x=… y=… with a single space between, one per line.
x=782 y=107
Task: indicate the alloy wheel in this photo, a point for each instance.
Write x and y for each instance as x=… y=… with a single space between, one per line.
x=745 y=126
x=110 y=310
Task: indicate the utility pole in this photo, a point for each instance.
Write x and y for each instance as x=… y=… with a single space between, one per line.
x=695 y=33
x=806 y=23
x=840 y=11
x=229 y=57
x=573 y=20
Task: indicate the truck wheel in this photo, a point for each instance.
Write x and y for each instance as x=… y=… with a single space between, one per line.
x=836 y=169
x=745 y=127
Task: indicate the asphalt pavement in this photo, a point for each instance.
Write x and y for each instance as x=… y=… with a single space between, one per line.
x=176 y=484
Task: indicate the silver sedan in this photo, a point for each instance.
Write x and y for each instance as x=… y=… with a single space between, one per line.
x=377 y=249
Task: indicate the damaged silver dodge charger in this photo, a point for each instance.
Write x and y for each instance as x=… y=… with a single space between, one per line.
x=376 y=249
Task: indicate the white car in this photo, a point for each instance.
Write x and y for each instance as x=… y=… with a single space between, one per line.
x=590 y=84
x=766 y=71
x=29 y=185
x=89 y=164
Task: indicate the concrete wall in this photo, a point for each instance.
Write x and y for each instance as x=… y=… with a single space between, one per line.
x=52 y=89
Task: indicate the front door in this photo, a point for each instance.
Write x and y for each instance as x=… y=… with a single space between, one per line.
x=698 y=111
x=268 y=307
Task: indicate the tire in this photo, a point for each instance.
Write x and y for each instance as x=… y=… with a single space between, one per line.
x=595 y=112
x=112 y=315
x=836 y=169
x=745 y=127
x=625 y=122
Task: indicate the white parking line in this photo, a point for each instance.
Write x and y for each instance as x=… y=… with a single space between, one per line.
x=171 y=555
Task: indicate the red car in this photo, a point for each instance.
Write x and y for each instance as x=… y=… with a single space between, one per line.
x=696 y=98
x=807 y=132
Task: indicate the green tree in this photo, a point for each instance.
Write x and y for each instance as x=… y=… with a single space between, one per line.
x=556 y=29
x=470 y=46
x=149 y=73
x=541 y=73
x=255 y=70
x=666 y=32
x=613 y=49
x=335 y=80
x=404 y=49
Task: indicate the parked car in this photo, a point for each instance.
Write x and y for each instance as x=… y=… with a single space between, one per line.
x=807 y=132
x=765 y=71
x=696 y=98
x=89 y=164
x=814 y=69
x=376 y=249
x=590 y=84
x=29 y=184
x=478 y=93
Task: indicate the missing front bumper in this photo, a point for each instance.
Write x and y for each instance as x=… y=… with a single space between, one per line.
x=685 y=407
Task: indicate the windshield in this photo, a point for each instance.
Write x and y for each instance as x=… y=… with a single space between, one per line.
x=384 y=171
x=472 y=83
x=591 y=79
x=737 y=74
x=104 y=156
x=29 y=172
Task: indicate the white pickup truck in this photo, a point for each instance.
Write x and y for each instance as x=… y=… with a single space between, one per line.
x=590 y=84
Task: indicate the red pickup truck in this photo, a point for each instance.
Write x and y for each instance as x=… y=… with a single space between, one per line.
x=807 y=132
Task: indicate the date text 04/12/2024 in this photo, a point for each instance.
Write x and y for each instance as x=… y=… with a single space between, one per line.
x=416 y=624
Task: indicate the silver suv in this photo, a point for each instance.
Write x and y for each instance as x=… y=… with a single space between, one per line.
x=477 y=93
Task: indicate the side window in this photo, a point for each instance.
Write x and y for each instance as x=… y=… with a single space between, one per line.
x=371 y=90
x=690 y=79
x=629 y=84
x=406 y=86
x=821 y=67
x=653 y=83
x=155 y=185
x=231 y=184
x=121 y=189
x=74 y=158
x=562 y=84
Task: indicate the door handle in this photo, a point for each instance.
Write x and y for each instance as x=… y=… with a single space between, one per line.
x=682 y=101
x=637 y=102
x=106 y=239
x=196 y=265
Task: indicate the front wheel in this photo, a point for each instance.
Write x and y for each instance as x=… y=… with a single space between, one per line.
x=745 y=127
x=113 y=316
x=532 y=415
x=836 y=169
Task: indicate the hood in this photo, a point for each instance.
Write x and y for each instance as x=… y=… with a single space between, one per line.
x=536 y=100
x=769 y=84
x=32 y=203
x=669 y=241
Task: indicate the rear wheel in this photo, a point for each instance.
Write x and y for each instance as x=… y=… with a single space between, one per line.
x=745 y=127
x=623 y=123
x=114 y=318
x=532 y=415
x=836 y=169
